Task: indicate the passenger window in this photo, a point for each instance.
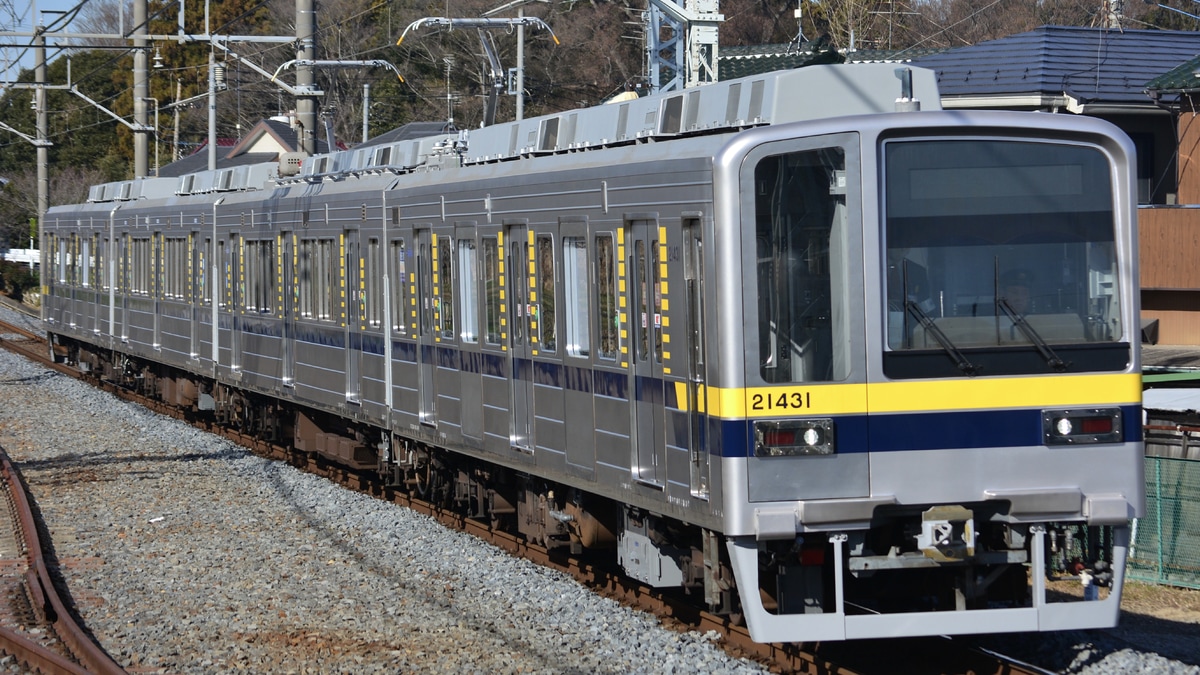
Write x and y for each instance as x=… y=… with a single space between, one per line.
x=492 y=290
x=607 y=313
x=398 y=281
x=468 y=292
x=85 y=259
x=62 y=260
x=73 y=260
x=102 y=263
x=801 y=229
x=319 y=275
x=175 y=268
x=373 y=298
x=444 y=286
x=260 y=277
x=140 y=267
x=544 y=302
x=575 y=294
x=228 y=250
x=203 y=278
x=641 y=318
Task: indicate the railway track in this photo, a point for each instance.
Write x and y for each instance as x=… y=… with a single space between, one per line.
x=890 y=656
x=36 y=626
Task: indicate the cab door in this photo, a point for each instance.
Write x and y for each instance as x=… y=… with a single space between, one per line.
x=806 y=372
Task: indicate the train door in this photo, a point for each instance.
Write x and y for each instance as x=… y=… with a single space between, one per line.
x=126 y=256
x=158 y=265
x=426 y=331
x=287 y=272
x=104 y=284
x=354 y=292
x=643 y=297
x=236 y=302
x=196 y=278
x=693 y=257
x=87 y=316
x=518 y=255
x=466 y=282
x=65 y=290
x=229 y=296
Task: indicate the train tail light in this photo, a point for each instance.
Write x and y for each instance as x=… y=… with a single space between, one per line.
x=788 y=438
x=1083 y=426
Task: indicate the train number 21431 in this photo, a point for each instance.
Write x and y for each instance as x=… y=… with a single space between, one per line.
x=788 y=400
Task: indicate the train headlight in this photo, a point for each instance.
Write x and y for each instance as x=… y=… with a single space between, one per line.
x=1076 y=427
x=790 y=438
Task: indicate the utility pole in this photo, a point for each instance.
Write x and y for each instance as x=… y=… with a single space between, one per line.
x=43 y=124
x=306 y=52
x=175 y=137
x=212 y=110
x=141 y=90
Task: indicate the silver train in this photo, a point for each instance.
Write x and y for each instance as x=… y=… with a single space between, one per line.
x=831 y=362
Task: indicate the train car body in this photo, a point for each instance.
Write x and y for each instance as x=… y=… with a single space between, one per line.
x=765 y=339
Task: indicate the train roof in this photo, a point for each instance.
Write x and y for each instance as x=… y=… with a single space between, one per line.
x=807 y=93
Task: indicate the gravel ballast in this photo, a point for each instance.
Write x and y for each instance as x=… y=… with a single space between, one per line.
x=186 y=554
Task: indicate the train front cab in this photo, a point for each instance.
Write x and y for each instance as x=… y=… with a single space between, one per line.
x=895 y=471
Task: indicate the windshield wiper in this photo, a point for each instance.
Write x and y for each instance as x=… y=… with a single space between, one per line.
x=1052 y=359
x=931 y=328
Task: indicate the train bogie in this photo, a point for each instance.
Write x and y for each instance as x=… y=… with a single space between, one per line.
x=777 y=353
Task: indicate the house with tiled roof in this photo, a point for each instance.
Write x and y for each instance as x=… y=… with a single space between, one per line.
x=267 y=141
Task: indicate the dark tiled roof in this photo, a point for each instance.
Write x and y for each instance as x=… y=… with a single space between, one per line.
x=198 y=161
x=1089 y=64
x=735 y=62
x=1180 y=79
x=407 y=132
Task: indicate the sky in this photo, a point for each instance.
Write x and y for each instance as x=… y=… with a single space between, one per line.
x=21 y=16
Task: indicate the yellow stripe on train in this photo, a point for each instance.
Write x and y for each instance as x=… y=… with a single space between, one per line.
x=923 y=396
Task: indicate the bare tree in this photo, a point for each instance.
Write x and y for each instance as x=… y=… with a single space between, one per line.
x=114 y=17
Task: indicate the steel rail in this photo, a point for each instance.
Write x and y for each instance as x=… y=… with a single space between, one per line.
x=46 y=602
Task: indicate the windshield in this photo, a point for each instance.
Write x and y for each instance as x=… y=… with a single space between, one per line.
x=994 y=243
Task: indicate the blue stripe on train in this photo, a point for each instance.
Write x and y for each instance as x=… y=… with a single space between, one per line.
x=895 y=432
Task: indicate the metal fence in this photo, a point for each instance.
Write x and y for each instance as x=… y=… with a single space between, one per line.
x=1166 y=548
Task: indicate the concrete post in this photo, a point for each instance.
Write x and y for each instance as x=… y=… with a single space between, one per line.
x=141 y=90
x=306 y=103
